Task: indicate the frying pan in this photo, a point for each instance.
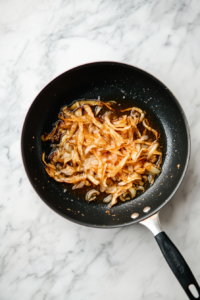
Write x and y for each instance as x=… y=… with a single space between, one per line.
x=129 y=86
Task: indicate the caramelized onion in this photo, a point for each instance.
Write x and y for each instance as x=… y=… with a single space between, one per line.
x=111 y=152
x=97 y=110
x=79 y=185
x=132 y=192
x=107 y=199
x=91 y=195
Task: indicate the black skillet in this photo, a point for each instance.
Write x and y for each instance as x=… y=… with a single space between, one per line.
x=129 y=86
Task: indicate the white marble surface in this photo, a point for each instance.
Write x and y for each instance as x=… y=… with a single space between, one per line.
x=43 y=256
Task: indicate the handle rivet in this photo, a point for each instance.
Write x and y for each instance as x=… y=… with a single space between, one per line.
x=135 y=216
x=146 y=209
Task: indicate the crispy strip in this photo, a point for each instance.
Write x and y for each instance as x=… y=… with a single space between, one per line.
x=49 y=136
x=92 y=117
x=114 y=127
x=68 y=134
x=118 y=167
x=92 y=179
x=80 y=139
x=48 y=165
x=151 y=129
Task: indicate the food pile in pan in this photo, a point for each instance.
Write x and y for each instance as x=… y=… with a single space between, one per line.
x=114 y=154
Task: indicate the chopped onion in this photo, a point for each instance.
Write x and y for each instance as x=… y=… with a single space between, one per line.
x=145 y=178
x=153 y=159
x=151 y=168
x=132 y=192
x=140 y=188
x=143 y=146
x=78 y=112
x=107 y=199
x=159 y=161
x=152 y=148
x=138 y=147
x=68 y=147
x=66 y=155
x=144 y=137
x=124 y=197
x=91 y=195
x=151 y=179
x=79 y=185
x=154 y=170
x=97 y=110
x=138 y=110
x=130 y=168
x=91 y=172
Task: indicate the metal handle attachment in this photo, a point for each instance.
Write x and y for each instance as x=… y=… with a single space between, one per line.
x=153 y=224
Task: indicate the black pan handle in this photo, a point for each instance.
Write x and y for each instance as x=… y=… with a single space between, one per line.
x=174 y=258
x=178 y=265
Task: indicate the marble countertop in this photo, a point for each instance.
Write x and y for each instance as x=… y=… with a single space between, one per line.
x=42 y=255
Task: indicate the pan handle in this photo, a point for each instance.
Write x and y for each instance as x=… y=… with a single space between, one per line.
x=174 y=258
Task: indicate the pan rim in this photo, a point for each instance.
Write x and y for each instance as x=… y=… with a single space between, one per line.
x=131 y=221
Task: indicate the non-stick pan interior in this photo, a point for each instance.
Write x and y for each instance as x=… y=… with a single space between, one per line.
x=128 y=86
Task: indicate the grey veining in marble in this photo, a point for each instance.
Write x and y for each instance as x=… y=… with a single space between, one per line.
x=43 y=256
